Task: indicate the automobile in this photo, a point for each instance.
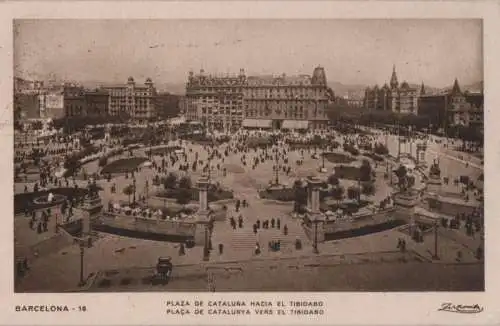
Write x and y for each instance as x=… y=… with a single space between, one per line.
x=164 y=267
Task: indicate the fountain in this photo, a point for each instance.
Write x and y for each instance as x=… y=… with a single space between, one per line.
x=49 y=200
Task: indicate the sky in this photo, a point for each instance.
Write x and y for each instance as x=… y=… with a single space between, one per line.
x=353 y=52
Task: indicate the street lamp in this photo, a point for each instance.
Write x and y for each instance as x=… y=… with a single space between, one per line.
x=435 y=256
x=323 y=158
x=134 y=182
x=82 y=252
x=315 y=244
x=206 y=252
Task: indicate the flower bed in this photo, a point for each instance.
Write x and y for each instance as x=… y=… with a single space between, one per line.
x=279 y=194
x=123 y=165
x=347 y=172
x=339 y=158
x=163 y=150
x=373 y=156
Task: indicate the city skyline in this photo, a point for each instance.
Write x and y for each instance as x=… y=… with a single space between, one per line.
x=353 y=52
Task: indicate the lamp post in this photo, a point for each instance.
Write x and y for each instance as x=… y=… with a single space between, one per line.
x=82 y=253
x=435 y=256
x=206 y=252
x=134 y=182
x=399 y=138
x=315 y=244
x=276 y=170
x=323 y=158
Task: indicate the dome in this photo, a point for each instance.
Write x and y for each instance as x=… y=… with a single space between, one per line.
x=405 y=85
x=148 y=80
x=130 y=79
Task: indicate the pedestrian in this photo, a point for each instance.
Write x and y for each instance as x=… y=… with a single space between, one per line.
x=257 y=248
x=258 y=224
x=278 y=223
x=255 y=228
x=221 y=248
x=285 y=230
x=182 y=250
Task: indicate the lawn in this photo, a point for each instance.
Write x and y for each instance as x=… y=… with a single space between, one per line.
x=123 y=165
x=339 y=158
x=164 y=150
x=374 y=156
x=347 y=172
x=284 y=194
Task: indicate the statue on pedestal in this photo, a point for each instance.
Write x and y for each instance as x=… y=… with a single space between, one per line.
x=435 y=170
x=405 y=181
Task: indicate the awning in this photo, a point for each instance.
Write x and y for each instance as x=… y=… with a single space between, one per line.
x=295 y=124
x=257 y=123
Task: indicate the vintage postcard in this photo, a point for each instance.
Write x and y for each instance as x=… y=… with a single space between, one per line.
x=249 y=163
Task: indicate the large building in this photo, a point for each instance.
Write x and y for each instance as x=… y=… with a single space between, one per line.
x=263 y=102
x=74 y=101
x=395 y=97
x=132 y=100
x=453 y=108
x=216 y=101
x=96 y=103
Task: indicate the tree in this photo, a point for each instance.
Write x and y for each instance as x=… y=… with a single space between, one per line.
x=71 y=164
x=103 y=161
x=185 y=183
x=365 y=171
x=128 y=190
x=170 y=181
x=333 y=180
x=380 y=149
x=338 y=193
x=368 y=189
x=183 y=196
x=401 y=174
x=353 y=192
x=300 y=195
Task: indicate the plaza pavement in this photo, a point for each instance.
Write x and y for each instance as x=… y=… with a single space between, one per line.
x=60 y=271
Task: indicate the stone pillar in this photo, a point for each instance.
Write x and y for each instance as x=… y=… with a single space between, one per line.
x=202 y=236
x=421 y=149
x=313 y=185
x=309 y=198
x=203 y=184
x=86 y=224
x=405 y=203
x=313 y=213
x=92 y=207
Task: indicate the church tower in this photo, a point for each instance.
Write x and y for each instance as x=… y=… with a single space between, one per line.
x=394 y=78
x=456 y=88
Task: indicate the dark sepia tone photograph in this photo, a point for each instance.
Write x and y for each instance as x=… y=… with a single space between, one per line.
x=248 y=155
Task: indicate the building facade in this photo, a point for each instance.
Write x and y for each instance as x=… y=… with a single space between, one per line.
x=395 y=97
x=132 y=100
x=215 y=101
x=51 y=103
x=74 y=102
x=96 y=103
x=264 y=102
x=453 y=108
